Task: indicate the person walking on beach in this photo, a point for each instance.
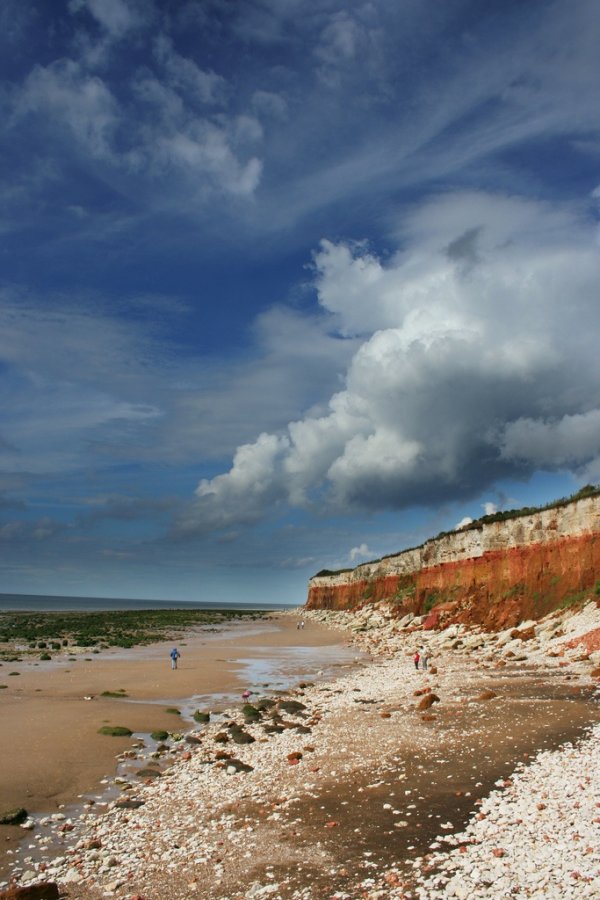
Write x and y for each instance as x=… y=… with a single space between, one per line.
x=416 y=659
x=175 y=654
x=424 y=658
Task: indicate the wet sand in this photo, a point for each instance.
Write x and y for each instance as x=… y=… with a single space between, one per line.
x=50 y=748
x=355 y=788
x=376 y=785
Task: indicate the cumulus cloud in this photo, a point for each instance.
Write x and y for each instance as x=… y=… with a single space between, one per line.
x=240 y=496
x=570 y=440
x=468 y=339
x=361 y=552
x=466 y=520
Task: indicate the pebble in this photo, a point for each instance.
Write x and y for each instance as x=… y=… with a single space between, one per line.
x=186 y=818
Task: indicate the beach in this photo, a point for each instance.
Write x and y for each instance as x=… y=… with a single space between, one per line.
x=50 y=747
x=355 y=788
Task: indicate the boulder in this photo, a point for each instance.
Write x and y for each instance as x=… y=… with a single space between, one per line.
x=128 y=804
x=239 y=736
x=428 y=701
x=486 y=695
x=13 y=816
x=293 y=707
x=44 y=890
x=236 y=765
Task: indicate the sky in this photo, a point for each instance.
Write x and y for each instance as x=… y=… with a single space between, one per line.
x=289 y=285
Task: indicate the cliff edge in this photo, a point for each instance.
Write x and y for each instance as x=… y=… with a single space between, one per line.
x=492 y=574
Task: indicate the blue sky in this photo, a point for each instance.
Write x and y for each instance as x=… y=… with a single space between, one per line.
x=287 y=285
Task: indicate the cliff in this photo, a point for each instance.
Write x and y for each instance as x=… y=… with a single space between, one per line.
x=494 y=574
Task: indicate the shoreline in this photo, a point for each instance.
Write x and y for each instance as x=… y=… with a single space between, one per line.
x=286 y=807
x=53 y=756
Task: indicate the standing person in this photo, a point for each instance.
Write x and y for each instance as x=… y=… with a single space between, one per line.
x=175 y=654
x=424 y=657
x=416 y=659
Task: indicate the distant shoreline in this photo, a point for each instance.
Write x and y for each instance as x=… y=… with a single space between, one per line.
x=10 y=602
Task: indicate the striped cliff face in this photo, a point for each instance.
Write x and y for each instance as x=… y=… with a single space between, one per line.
x=494 y=575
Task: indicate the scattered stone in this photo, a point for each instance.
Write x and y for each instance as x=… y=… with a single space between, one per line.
x=128 y=804
x=236 y=765
x=43 y=890
x=486 y=695
x=293 y=707
x=428 y=701
x=115 y=731
x=13 y=816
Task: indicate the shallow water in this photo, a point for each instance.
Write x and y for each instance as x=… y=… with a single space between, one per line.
x=273 y=669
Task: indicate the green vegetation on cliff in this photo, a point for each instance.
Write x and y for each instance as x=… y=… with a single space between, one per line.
x=589 y=490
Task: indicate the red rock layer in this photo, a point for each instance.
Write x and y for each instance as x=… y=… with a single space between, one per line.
x=496 y=590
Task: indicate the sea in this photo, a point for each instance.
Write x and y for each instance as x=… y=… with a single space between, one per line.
x=56 y=603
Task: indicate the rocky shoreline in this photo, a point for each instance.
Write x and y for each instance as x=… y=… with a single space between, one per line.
x=382 y=783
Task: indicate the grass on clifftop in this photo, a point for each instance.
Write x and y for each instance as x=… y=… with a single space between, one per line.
x=589 y=490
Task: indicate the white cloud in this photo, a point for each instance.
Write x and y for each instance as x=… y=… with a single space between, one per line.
x=166 y=132
x=116 y=16
x=466 y=520
x=361 y=552
x=201 y=86
x=66 y=95
x=490 y=508
x=569 y=440
x=465 y=333
x=270 y=104
x=243 y=493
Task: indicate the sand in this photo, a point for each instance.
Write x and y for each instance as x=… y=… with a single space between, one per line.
x=360 y=786
x=50 y=748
